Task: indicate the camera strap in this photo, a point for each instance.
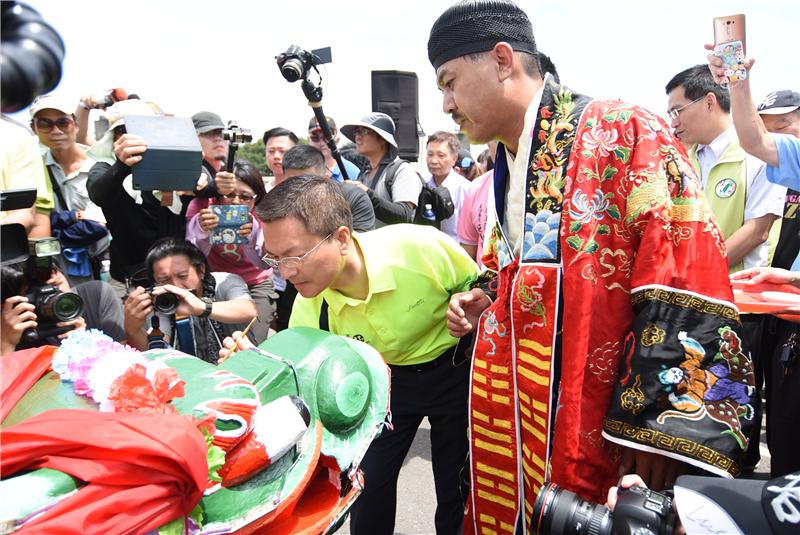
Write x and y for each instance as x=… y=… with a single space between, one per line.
x=57 y=189
x=184 y=335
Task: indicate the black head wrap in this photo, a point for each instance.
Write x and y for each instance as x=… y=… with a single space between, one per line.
x=473 y=26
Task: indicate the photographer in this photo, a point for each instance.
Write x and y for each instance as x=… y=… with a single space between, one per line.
x=19 y=314
x=210 y=128
x=215 y=304
x=135 y=218
x=374 y=139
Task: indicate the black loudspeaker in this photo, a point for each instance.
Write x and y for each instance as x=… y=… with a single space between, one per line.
x=396 y=93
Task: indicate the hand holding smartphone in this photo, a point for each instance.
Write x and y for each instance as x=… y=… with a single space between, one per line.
x=231 y=218
x=729 y=45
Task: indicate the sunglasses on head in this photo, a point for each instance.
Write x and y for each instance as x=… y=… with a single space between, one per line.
x=46 y=125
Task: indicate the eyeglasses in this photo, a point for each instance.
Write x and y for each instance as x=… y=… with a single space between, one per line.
x=64 y=124
x=361 y=131
x=244 y=197
x=316 y=137
x=290 y=264
x=675 y=113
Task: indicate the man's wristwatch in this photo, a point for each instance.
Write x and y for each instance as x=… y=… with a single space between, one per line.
x=209 y=305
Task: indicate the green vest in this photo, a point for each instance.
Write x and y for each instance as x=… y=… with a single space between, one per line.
x=726 y=190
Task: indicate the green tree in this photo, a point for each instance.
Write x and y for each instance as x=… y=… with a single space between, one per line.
x=254 y=153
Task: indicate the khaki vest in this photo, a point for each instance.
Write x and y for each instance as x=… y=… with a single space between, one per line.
x=726 y=190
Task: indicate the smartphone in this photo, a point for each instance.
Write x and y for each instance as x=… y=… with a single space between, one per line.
x=729 y=44
x=728 y=29
x=231 y=217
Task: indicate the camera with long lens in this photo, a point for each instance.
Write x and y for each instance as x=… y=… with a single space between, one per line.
x=166 y=303
x=31 y=56
x=296 y=62
x=639 y=511
x=52 y=306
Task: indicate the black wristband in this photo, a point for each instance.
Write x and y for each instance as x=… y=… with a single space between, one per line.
x=209 y=306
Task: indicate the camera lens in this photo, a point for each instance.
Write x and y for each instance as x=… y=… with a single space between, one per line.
x=53 y=305
x=558 y=511
x=292 y=69
x=166 y=303
x=67 y=306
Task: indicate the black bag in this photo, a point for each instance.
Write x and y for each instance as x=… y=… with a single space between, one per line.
x=439 y=197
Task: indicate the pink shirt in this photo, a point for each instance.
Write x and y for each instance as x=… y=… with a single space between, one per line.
x=472 y=219
x=243 y=259
x=195 y=205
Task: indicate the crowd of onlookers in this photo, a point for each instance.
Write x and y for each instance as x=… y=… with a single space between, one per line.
x=114 y=238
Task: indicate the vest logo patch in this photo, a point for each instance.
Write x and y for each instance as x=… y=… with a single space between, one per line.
x=725 y=188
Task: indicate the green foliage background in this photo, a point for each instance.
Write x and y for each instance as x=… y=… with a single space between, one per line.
x=254 y=153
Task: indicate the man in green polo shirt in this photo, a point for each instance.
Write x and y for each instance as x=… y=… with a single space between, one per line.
x=389 y=288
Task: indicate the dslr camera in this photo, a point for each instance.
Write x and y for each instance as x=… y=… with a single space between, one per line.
x=639 y=511
x=296 y=62
x=166 y=303
x=52 y=306
x=27 y=266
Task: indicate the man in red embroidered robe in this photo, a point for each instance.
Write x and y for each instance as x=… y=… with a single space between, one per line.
x=604 y=262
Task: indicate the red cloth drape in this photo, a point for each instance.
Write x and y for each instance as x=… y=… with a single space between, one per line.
x=19 y=371
x=142 y=470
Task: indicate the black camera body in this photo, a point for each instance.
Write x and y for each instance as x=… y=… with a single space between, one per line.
x=296 y=62
x=639 y=511
x=166 y=303
x=27 y=266
x=52 y=306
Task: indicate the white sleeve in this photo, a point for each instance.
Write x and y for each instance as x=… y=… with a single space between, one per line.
x=763 y=197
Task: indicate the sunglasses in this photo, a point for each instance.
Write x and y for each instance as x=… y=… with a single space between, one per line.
x=62 y=123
